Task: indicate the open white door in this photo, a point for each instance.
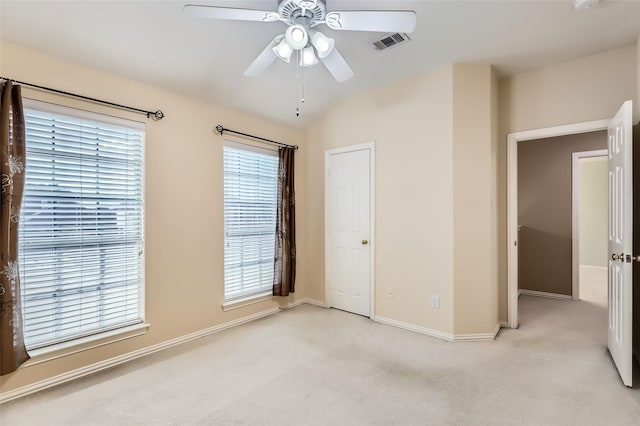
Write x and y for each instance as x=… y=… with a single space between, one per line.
x=621 y=241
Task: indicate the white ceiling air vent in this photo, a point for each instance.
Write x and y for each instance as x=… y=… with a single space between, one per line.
x=390 y=40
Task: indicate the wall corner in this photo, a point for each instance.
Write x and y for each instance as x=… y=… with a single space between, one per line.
x=474 y=197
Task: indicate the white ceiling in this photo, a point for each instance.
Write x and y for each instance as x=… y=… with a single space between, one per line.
x=154 y=42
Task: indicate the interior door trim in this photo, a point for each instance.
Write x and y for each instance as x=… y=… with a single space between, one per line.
x=369 y=146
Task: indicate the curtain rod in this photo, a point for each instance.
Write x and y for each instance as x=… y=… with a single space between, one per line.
x=157 y=115
x=220 y=129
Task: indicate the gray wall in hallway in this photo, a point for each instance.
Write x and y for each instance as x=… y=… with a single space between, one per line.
x=544 y=209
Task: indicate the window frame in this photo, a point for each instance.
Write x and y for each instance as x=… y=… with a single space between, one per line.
x=99 y=337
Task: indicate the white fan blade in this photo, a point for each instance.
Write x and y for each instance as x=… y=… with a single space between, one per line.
x=264 y=59
x=337 y=66
x=386 y=21
x=213 y=12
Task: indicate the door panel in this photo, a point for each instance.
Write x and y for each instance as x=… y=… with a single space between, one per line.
x=621 y=241
x=348 y=206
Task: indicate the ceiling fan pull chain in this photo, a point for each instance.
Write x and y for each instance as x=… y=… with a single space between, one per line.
x=302 y=99
x=297 y=83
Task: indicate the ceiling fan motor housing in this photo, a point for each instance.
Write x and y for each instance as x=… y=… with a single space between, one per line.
x=291 y=11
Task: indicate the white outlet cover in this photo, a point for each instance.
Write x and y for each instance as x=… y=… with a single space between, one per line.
x=435 y=301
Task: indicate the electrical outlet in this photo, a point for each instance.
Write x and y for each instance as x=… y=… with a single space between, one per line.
x=435 y=301
x=390 y=292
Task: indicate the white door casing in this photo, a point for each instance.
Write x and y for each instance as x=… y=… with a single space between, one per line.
x=348 y=226
x=621 y=241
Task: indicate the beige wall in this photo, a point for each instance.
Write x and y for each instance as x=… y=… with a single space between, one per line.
x=591 y=88
x=544 y=209
x=475 y=283
x=435 y=144
x=411 y=125
x=594 y=211
x=184 y=211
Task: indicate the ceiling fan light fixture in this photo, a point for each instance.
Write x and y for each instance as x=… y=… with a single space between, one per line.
x=322 y=43
x=297 y=37
x=283 y=50
x=308 y=57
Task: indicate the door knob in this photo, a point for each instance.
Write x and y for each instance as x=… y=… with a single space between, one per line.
x=615 y=257
x=365 y=242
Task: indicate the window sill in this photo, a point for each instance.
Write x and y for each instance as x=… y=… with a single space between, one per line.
x=246 y=301
x=75 y=346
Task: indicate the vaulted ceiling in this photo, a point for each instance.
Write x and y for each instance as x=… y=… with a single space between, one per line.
x=156 y=43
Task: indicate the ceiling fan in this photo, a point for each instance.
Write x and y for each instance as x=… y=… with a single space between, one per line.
x=302 y=17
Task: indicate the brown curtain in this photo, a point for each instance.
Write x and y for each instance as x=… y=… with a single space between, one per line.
x=12 y=161
x=284 y=277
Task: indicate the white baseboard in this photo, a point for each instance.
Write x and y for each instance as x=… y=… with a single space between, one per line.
x=305 y=301
x=544 y=294
x=315 y=302
x=595 y=268
x=416 y=328
x=479 y=337
x=112 y=362
x=439 y=334
x=504 y=324
x=293 y=304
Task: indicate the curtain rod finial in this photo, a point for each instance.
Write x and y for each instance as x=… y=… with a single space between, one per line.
x=157 y=116
x=219 y=128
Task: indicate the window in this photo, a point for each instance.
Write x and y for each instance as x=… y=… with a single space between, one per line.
x=250 y=190
x=81 y=224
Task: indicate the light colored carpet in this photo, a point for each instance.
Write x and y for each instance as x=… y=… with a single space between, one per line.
x=314 y=366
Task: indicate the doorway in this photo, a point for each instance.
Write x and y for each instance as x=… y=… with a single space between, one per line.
x=349 y=240
x=512 y=199
x=547 y=216
x=620 y=255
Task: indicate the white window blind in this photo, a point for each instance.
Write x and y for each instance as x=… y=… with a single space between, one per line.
x=81 y=224
x=250 y=190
